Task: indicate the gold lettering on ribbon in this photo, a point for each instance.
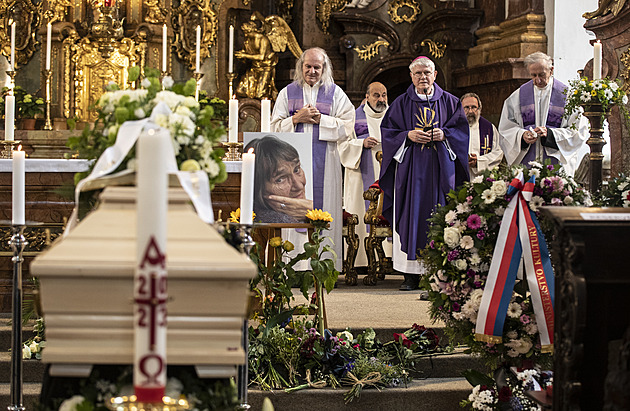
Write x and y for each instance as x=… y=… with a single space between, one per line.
x=540 y=276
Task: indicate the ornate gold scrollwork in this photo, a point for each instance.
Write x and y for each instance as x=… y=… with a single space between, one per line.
x=325 y=8
x=368 y=51
x=398 y=17
x=92 y=72
x=605 y=7
x=435 y=49
x=38 y=238
x=154 y=13
x=284 y=8
x=189 y=15
x=27 y=17
x=625 y=72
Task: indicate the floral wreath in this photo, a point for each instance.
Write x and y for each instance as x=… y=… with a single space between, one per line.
x=462 y=236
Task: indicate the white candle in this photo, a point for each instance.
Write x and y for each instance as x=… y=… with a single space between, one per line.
x=198 y=49
x=13 y=46
x=48 y=44
x=9 y=117
x=247 y=187
x=150 y=291
x=597 y=60
x=231 y=51
x=164 y=41
x=265 y=115
x=233 y=120
x=18 y=186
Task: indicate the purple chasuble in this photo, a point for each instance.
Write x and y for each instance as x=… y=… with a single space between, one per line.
x=426 y=175
x=324 y=104
x=486 y=135
x=528 y=113
x=366 y=166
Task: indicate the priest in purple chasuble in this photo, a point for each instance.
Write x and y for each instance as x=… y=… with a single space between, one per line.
x=425 y=155
x=312 y=104
x=358 y=156
x=532 y=126
x=484 y=151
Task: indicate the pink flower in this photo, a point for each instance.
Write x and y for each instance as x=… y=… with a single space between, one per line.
x=473 y=221
x=525 y=319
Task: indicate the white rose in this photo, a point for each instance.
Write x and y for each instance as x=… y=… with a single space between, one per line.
x=460 y=264
x=451 y=236
x=71 y=403
x=34 y=347
x=568 y=200
x=168 y=82
x=499 y=188
x=139 y=113
x=26 y=352
x=146 y=83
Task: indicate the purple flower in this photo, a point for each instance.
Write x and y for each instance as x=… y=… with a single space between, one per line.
x=556 y=201
x=481 y=235
x=432 y=244
x=477 y=284
x=452 y=255
x=549 y=167
x=490 y=179
x=525 y=319
x=470 y=273
x=473 y=221
x=456 y=307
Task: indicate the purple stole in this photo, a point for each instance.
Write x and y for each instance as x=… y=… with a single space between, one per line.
x=528 y=113
x=486 y=135
x=324 y=104
x=366 y=166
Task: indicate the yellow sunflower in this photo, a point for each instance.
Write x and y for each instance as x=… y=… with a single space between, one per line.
x=319 y=215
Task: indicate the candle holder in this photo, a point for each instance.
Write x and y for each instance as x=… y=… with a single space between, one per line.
x=197 y=75
x=11 y=74
x=163 y=74
x=17 y=242
x=131 y=404
x=48 y=124
x=234 y=153
x=231 y=77
x=7 y=148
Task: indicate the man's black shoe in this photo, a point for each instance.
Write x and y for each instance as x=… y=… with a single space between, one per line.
x=411 y=283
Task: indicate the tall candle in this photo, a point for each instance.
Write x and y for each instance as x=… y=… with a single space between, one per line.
x=48 y=44
x=231 y=51
x=198 y=49
x=164 y=41
x=247 y=187
x=233 y=120
x=18 y=186
x=597 y=60
x=265 y=115
x=150 y=292
x=13 y=46
x=9 y=117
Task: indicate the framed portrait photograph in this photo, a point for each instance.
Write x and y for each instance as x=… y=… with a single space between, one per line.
x=283 y=184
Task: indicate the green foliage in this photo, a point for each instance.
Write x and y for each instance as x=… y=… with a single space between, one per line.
x=26 y=104
x=584 y=92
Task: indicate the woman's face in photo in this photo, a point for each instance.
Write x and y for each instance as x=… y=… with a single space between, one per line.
x=288 y=180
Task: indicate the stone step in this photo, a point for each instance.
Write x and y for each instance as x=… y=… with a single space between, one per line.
x=30 y=395
x=32 y=370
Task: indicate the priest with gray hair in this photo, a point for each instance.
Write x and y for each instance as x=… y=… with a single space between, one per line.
x=312 y=104
x=533 y=126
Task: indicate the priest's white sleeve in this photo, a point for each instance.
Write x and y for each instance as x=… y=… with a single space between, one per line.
x=281 y=120
x=339 y=125
x=511 y=130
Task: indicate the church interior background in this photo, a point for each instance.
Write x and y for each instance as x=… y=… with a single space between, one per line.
x=477 y=45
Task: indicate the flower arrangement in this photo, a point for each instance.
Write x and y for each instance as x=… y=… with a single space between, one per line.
x=27 y=105
x=194 y=129
x=608 y=93
x=616 y=193
x=32 y=348
x=235 y=216
x=297 y=356
x=462 y=236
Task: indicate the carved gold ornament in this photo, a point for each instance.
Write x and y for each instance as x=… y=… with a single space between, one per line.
x=625 y=72
x=154 y=13
x=57 y=10
x=368 y=52
x=284 y=8
x=604 y=7
x=37 y=238
x=435 y=49
x=27 y=17
x=398 y=13
x=325 y=9
x=186 y=18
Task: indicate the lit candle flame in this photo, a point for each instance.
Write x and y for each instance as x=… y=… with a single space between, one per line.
x=251 y=150
x=19 y=147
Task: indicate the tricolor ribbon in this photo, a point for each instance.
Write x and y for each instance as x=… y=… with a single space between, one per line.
x=519 y=236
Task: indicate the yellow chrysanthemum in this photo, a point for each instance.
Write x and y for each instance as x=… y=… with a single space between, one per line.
x=319 y=215
x=275 y=242
x=288 y=246
x=235 y=216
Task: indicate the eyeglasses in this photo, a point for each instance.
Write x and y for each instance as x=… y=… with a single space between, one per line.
x=419 y=74
x=471 y=108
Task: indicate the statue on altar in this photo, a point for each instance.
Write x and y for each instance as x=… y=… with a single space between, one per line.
x=261 y=45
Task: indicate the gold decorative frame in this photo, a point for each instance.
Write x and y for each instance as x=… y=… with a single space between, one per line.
x=398 y=17
x=186 y=17
x=436 y=49
x=325 y=8
x=368 y=51
x=625 y=71
x=28 y=17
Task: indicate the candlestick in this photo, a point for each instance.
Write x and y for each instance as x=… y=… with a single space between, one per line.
x=231 y=77
x=597 y=60
x=150 y=293
x=48 y=44
x=198 y=49
x=234 y=151
x=265 y=115
x=48 y=124
x=231 y=51
x=197 y=76
x=13 y=46
x=18 y=186
x=18 y=243
x=164 y=41
x=9 y=117
x=233 y=120
x=247 y=187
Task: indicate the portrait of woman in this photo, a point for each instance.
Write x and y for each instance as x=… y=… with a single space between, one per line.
x=279 y=182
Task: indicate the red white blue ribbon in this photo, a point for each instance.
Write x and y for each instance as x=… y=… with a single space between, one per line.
x=519 y=236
